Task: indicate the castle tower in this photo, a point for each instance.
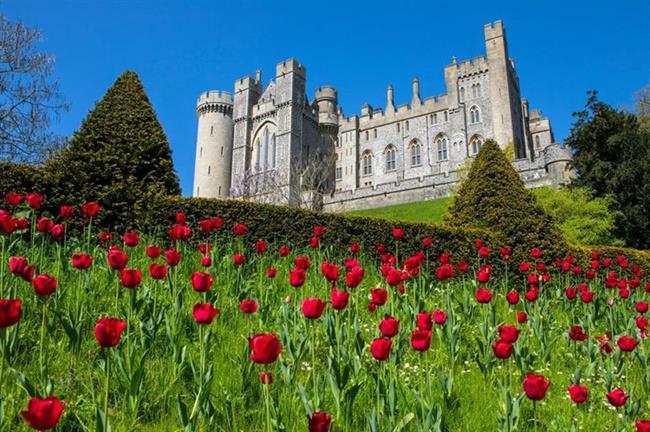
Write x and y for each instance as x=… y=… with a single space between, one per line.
x=328 y=125
x=213 y=145
x=505 y=96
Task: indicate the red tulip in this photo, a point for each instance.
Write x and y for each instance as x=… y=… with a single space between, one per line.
x=483 y=295
x=266 y=377
x=354 y=277
x=44 y=285
x=117 y=259
x=153 y=251
x=108 y=331
x=302 y=262
x=389 y=327
x=10 y=311
x=627 y=343
x=483 y=276
x=535 y=386
x=131 y=278
x=512 y=297
x=319 y=422
x=521 y=317
x=44 y=225
x=265 y=348
x=439 y=316
x=206 y=260
x=260 y=246
x=7 y=223
x=297 y=277
x=642 y=425
x=372 y=307
x=578 y=334
x=330 y=271
x=379 y=296
x=158 y=271
x=502 y=349
x=90 y=209
x=578 y=393
x=339 y=299
x=587 y=296
x=284 y=251
x=201 y=282
x=172 y=257
x=206 y=226
x=43 y=414
x=204 y=313
x=319 y=231
x=57 y=231
x=508 y=333
x=34 y=200
x=484 y=251
x=478 y=244
x=238 y=259
x=17 y=264
x=313 y=307
x=536 y=253
x=81 y=261
x=131 y=239
x=641 y=307
x=424 y=321
x=570 y=293
x=314 y=242
x=66 y=211
x=248 y=306
x=398 y=233
x=181 y=218
x=14 y=199
x=239 y=229
x=179 y=232
x=421 y=339
x=271 y=272
x=380 y=348
x=617 y=397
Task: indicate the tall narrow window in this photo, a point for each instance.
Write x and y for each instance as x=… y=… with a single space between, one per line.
x=416 y=159
x=221 y=150
x=475 y=144
x=474 y=114
x=446 y=116
x=266 y=148
x=442 y=148
x=390 y=158
x=339 y=173
x=537 y=144
x=478 y=90
x=374 y=133
x=462 y=93
x=273 y=150
x=211 y=130
x=398 y=128
x=367 y=163
x=435 y=118
x=219 y=190
x=208 y=169
x=258 y=151
x=407 y=126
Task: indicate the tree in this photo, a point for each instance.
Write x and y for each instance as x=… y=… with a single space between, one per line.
x=583 y=219
x=612 y=157
x=29 y=97
x=493 y=197
x=119 y=157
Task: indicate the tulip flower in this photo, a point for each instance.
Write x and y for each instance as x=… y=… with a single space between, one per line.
x=108 y=331
x=617 y=397
x=535 y=386
x=10 y=311
x=421 y=339
x=627 y=343
x=508 y=333
x=439 y=316
x=201 y=282
x=265 y=348
x=43 y=414
x=319 y=422
x=130 y=278
x=379 y=296
x=248 y=306
x=578 y=393
x=204 y=313
x=502 y=349
x=313 y=308
x=389 y=327
x=380 y=348
x=339 y=299
x=44 y=285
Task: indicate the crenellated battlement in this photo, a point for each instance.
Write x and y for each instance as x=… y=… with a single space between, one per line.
x=215 y=96
x=290 y=65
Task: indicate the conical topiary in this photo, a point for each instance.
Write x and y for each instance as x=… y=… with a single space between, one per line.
x=119 y=157
x=493 y=197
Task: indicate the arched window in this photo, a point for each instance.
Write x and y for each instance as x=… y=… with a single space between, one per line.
x=474 y=114
x=367 y=163
x=477 y=90
x=390 y=158
x=273 y=150
x=416 y=154
x=537 y=144
x=258 y=151
x=266 y=147
x=475 y=144
x=441 y=144
x=264 y=150
x=462 y=93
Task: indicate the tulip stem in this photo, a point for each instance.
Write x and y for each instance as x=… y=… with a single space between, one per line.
x=269 y=426
x=2 y=358
x=42 y=345
x=108 y=373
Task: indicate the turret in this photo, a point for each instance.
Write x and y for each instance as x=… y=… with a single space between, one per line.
x=214 y=110
x=390 y=104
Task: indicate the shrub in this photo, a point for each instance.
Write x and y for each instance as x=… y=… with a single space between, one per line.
x=582 y=218
x=493 y=197
x=21 y=178
x=289 y=225
x=120 y=157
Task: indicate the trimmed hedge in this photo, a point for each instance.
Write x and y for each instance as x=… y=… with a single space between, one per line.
x=21 y=178
x=278 y=224
x=638 y=256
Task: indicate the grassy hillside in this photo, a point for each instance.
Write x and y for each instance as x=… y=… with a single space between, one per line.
x=430 y=211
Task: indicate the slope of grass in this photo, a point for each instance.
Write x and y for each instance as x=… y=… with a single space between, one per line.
x=431 y=211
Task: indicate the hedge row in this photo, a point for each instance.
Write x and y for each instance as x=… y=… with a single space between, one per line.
x=638 y=256
x=21 y=178
x=278 y=225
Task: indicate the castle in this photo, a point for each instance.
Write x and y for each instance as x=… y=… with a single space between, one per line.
x=272 y=145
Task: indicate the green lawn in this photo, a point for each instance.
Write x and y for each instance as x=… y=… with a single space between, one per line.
x=430 y=211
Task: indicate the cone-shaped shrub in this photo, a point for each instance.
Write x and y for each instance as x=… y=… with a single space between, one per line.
x=493 y=197
x=119 y=157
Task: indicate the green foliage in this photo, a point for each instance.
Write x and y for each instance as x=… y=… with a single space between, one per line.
x=120 y=157
x=509 y=151
x=582 y=218
x=612 y=157
x=279 y=224
x=21 y=178
x=493 y=197
x=430 y=211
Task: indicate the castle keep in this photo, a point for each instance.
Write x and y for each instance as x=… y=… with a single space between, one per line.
x=271 y=144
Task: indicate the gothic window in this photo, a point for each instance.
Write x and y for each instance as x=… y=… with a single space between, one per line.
x=339 y=173
x=374 y=132
x=474 y=114
x=441 y=143
x=407 y=125
x=367 y=163
x=258 y=151
x=537 y=144
x=446 y=116
x=390 y=158
x=273 y=150
x=398 y=128
x=477 y=90
x=475 y=144
x=462 y=93
x=367 y=136
x=416 y=151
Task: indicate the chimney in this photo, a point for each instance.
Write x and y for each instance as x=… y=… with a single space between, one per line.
x=258 y=75
x=416 y=93
x=390 y=106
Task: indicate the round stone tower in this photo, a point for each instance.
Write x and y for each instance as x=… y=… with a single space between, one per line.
x=328 y=118
x=213 y=145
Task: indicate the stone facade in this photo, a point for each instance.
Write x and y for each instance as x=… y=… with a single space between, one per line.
x=286 y=150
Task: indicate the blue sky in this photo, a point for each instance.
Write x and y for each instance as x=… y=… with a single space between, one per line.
x=181 y=48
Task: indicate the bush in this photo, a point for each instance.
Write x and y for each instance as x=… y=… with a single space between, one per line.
x=21 y=178
x=493 y=197
x=289 y=225
x=119 y=157
x=582 y=218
